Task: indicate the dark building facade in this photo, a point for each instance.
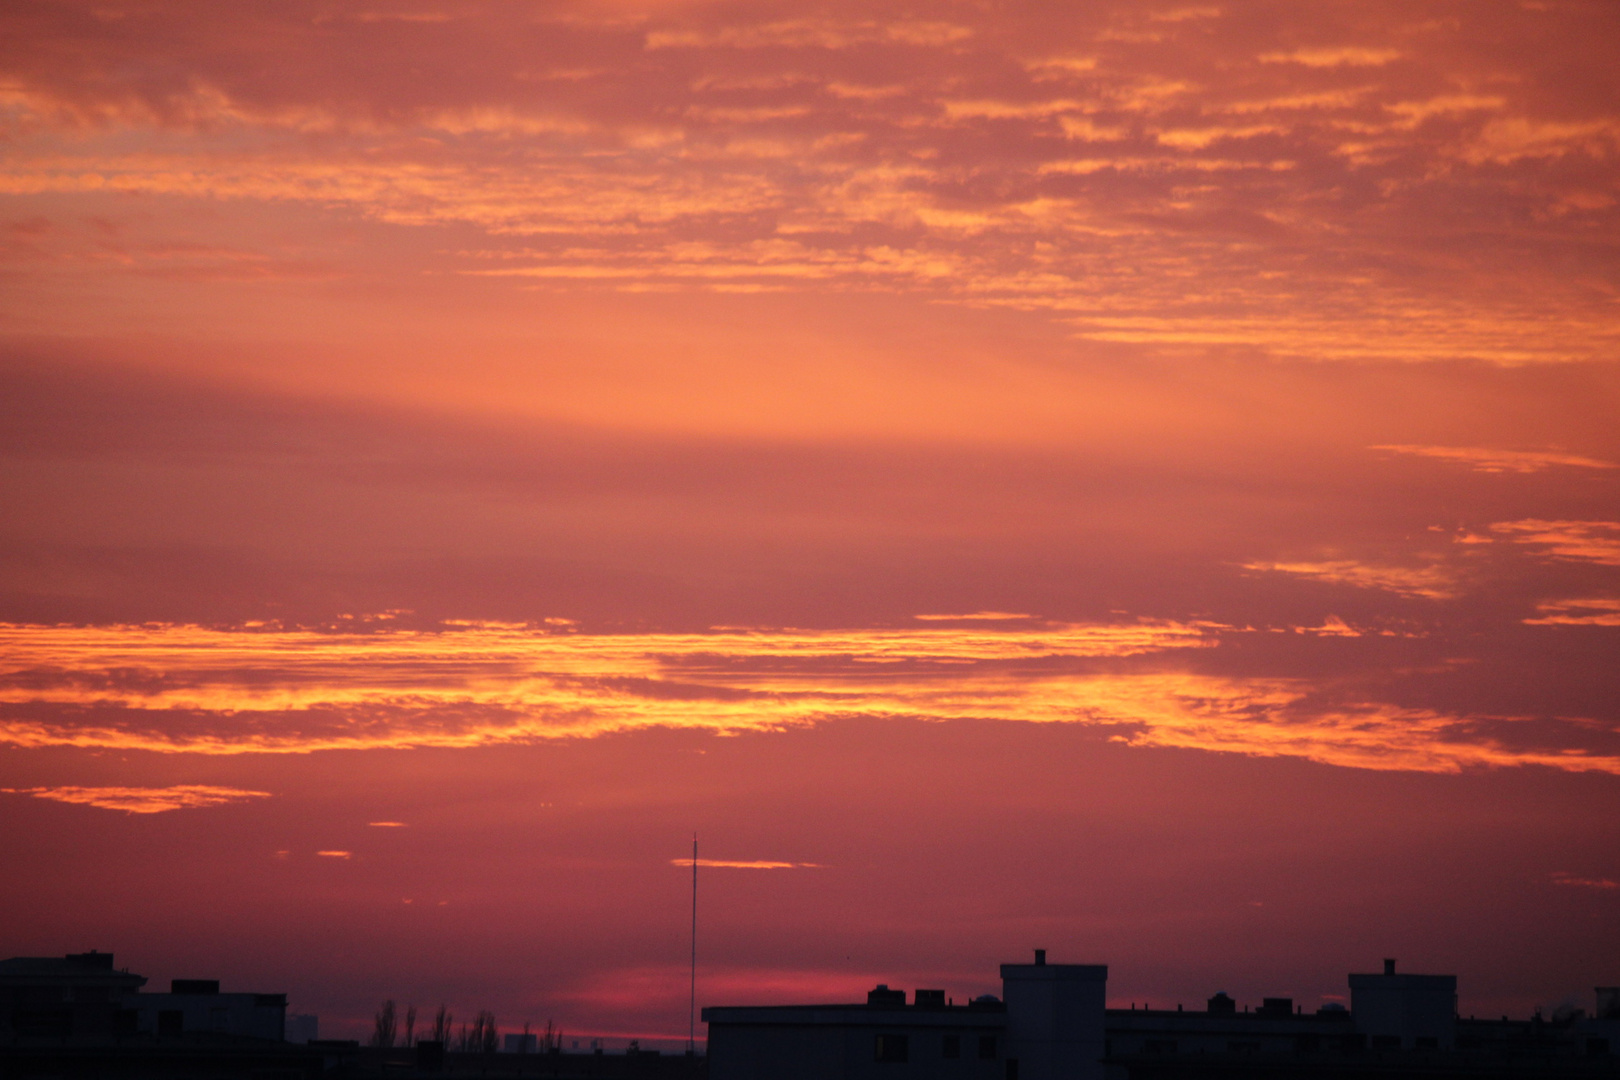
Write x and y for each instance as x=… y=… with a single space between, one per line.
x=82 y=997
x=76 y=996
x=1052 y=1024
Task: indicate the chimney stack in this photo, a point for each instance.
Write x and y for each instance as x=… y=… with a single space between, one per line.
x=1389 y=967
x=1040 y=957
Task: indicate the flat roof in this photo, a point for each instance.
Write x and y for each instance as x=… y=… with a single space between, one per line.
x=855 y=1015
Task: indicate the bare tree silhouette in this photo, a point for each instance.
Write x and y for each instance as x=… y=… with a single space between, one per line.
x=442 y=1024
x=383 y=1033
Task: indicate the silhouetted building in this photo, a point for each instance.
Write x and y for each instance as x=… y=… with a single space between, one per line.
x=196 y=1005
x=1052 y=1023
x=1047 y=1025
x=303 y=1027
x=75 y=996
x=83 y=997
x=1405 y=1012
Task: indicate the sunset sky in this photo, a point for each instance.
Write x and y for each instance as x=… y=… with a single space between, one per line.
x=1135 y=479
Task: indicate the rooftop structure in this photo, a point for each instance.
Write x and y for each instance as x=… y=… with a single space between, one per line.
x=1051 y=1023
x=82 y=997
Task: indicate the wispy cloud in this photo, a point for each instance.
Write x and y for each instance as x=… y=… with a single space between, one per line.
x=1332 y=626
x=813 y=34
x=1334 y=56
x=747 y=864
x=209 y=691
x=1570 y=541
x=1577 y=881
x=143 y=800
x=1432 y=582
x=1592 y=611
x=976 y=616
x=1495 y=461
x=483 y=683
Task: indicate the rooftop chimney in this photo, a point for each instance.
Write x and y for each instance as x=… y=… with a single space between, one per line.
x=1040 y=957
x=1389 y=967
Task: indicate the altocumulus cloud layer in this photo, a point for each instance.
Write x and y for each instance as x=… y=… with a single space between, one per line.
x=1337 y=180
x=180 y=688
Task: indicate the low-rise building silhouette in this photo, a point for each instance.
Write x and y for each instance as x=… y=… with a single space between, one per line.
x=1051 y=1023
x=81 y=996
x=79 y=1016
x=58 y=997
x=303 y=1027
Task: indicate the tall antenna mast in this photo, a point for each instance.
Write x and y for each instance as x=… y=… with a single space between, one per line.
x=691 y=1008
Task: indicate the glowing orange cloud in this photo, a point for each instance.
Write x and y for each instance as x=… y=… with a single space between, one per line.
x=590 y=149
x=1433 y=582
x=1519 y=461
x=210 y=691
x=1572 y=541
x=143 y=800
x=1592 y=611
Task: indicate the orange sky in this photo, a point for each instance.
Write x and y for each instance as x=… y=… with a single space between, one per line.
x=1140 y=481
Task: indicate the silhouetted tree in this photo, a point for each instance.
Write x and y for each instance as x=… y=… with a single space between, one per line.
x=482 y=1037
x=442 y=1026
x=383 y=1034
x=410 y=1025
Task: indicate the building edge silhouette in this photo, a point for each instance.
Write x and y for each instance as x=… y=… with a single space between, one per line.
x=1052 y=1023
x=78 y=1016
